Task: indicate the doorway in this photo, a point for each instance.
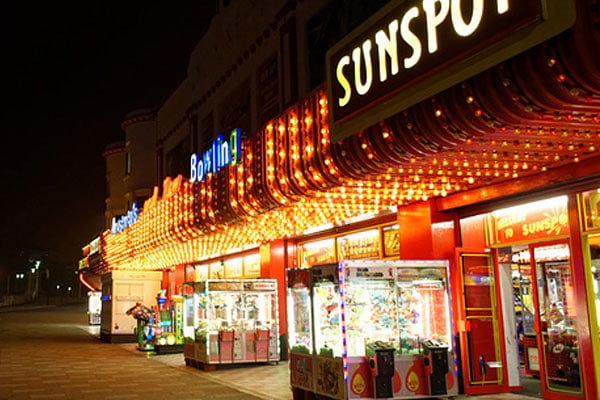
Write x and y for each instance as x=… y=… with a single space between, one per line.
x=479 y=339
x=544 y=314
x=593 y=294
x=519 y=260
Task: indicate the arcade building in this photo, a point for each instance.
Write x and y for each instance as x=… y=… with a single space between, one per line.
x=462 y=131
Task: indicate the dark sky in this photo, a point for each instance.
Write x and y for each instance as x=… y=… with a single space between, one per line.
x=71 y=72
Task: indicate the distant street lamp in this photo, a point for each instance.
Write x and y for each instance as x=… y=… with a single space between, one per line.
x=34 y=282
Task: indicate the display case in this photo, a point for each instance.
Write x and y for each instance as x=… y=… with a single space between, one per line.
x=300 y=328
x=378 y=329
x=230 y=321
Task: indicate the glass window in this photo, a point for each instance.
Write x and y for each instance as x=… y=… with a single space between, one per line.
x=556 y=303
x=299 y=311
x=371 y=320
x=391 y=241
x=328 y=327
x=360 y=245
x=523 y=292
x=423 y=311
x=128 y=163
x=315 y=253
x=591 y=209
x=594 y=275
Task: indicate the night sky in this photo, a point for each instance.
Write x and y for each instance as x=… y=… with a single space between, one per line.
x=71 y=72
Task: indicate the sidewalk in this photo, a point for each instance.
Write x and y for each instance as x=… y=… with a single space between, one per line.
x=271 y=382
x=267 y=381
x=51 y=352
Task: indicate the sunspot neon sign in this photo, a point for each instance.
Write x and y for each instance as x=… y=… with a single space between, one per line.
x=413 y=49
x=220 y=154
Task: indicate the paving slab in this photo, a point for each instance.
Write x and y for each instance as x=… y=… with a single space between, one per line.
x=53 y=353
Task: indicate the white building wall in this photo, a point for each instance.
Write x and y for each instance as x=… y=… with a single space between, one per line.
x=251 y=64
x=140 y=143
x=224 y=67
x=115 y=155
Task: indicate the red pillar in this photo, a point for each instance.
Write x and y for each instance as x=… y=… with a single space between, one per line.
x=426 y=234
x=275 y=257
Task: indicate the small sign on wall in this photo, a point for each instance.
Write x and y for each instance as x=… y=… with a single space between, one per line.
x=533 y=358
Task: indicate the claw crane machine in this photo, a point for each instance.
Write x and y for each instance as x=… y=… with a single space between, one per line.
x=230 y=321
x=371 y=329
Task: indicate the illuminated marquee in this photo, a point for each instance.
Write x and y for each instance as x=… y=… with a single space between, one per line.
x=220 y=154
x=119 y=224
x=412 y=50
x=95 y=246
x=386 y=42
x=540 y=220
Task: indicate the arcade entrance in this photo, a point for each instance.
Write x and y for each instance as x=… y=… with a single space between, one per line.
x=520 y=314
x=544 y=309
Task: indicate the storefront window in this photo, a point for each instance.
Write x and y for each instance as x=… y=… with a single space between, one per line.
x=591 y=209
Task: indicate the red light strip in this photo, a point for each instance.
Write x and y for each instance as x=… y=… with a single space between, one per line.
x=87 y=285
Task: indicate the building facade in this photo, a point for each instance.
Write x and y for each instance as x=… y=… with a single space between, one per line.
x=306 y=133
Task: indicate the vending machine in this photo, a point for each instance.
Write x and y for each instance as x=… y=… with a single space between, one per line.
x=371 y=329
x=94 y=311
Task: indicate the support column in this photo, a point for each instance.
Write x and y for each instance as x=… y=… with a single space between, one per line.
x=275 y=257
x=426 y=233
